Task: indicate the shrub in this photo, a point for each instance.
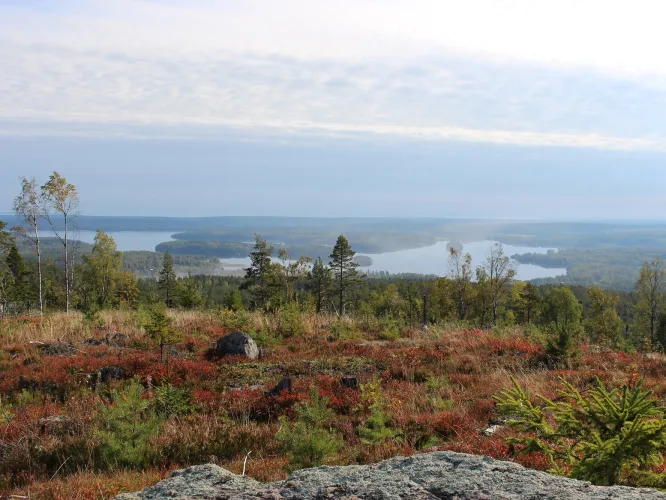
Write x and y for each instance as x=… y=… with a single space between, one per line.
x=308 y=442
x=128 y=424
x=438 y=389
x=390 y=330
x=600 y=436
x=172 y=401
x=158 y=328
x=236 y=320
x=291 y=321
x=264 y=338
x=376 y=427
x=344 y=330
x=561 y=349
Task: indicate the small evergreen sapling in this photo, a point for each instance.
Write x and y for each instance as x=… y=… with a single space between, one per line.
x=606 y=437
x=309 y=441
x=159 y=329
x=128 y=424
x=376 y=428
x=561 y=349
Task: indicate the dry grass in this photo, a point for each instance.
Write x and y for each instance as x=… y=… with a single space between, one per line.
x=438 y=384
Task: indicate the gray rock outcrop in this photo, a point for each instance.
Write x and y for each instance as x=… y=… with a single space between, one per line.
x=237 y=344
x=430 y=476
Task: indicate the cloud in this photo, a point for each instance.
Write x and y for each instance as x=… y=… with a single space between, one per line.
x=481 y=71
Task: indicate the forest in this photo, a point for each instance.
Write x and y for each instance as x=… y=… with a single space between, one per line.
x=109 y=381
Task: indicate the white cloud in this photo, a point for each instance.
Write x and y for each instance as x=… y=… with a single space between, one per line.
x=578 y=73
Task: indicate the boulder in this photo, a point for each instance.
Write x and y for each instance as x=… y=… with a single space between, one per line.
x=56 y=425
x=430 y=476
x=117 y=339
x=282 y=385
x=109 y=373
x=349 y=382
x=105 y=375
x=237 y=344
x=56 y=348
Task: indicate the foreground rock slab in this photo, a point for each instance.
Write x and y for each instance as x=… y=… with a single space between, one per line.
x=440 y=475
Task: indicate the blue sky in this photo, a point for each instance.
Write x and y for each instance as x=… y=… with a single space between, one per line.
x=483 y=108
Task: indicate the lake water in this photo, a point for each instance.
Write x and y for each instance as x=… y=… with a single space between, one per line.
x=128 y=241
x=435 y=259
x=425 y=260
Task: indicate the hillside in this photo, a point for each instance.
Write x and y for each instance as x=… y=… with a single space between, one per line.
x=437 y=387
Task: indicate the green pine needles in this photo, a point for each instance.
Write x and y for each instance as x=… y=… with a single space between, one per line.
x=128 y=425
x=604 y=436
x=309 y=441
x=376 y=428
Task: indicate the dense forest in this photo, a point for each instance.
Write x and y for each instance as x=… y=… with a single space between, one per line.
x=109 y=379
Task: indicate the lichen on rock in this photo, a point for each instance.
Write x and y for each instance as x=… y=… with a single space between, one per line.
x=439 y=475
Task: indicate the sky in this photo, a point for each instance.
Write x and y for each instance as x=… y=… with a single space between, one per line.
x=483 y=108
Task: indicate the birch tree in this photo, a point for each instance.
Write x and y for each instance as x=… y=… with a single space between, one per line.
x=29 y=206
x=460 y=273
x=62 y=197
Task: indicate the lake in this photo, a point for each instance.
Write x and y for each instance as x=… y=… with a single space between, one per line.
x=434 y=259
x=128 y=241
x=425 y=260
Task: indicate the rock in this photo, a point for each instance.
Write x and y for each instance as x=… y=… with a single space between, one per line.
x=57 y=349
x=282 y=385
x=440 y=475
x=117 y=339
x=56 y=425
x=491 y=429
x=109 y=373
x=237 y=344
x=349 y=382
x=25 y=384
x=106 y=375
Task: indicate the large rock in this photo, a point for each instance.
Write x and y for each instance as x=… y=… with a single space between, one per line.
x=441 y=475
x=236 y=344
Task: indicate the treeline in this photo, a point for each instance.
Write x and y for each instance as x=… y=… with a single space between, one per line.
x=485 y=295
x=615 y=268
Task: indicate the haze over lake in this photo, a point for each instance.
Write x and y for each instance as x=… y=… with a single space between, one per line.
x=425 y=260
x=128 y=241
x=434 y=260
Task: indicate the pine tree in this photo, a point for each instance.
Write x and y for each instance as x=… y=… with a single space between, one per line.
x=345 y=275
x=128 y=425
x=528 y=303
x=167 y=280
x=320 y=282
x=7 y=246
x=309 y=441
x=376 y=428
x=19 y=289
x=604 y=436
x=233 y=300
x=159 y=329
x=190 y=297
x=259 y=276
